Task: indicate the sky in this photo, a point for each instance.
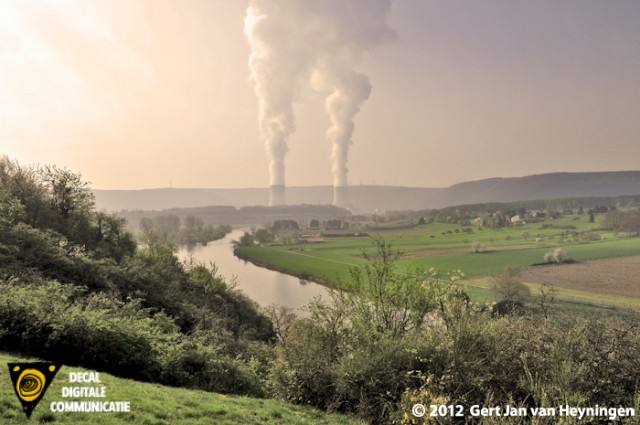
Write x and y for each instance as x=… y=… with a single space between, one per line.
x=150 y=93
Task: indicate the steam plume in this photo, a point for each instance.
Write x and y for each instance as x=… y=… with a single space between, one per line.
x=296 y=42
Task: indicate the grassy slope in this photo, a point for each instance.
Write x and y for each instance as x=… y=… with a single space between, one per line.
x=157 y=405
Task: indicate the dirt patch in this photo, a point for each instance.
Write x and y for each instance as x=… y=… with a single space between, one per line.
x=618 y=276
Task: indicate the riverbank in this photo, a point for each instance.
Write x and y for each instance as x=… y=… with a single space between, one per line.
x=298 y=264
x=264 y=286
x=302 y=275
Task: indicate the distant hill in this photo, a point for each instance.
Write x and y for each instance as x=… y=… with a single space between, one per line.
x=370 y=198
x=540 y=186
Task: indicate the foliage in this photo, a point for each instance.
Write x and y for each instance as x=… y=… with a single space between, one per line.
x=263 y=235
x=246 y=239
x=284 y=225
x=623 y=221
x=362 y=353
x=558 y=255
x=188 y=231
x=76 y=288
x=478 y=247
x=354 y=353
x=509 y=287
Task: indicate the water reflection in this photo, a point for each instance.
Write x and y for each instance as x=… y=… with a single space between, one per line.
x=260 y=284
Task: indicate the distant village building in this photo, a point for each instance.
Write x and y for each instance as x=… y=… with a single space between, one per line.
x=517 y=220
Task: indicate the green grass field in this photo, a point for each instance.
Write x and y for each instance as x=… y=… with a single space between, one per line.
x=449 y=247
x=156 y=405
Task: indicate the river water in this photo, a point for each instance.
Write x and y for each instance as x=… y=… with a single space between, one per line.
x=262 y=285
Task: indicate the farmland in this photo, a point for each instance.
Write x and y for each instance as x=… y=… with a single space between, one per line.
x=594 y=258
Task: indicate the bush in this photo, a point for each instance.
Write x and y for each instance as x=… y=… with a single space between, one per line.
x=76 y=289
x=62 y=323
x=357 y=353
x=558 y=255
x=508 y=286
x=59 y=323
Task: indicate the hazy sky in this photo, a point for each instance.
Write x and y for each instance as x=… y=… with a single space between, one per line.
x=137 y=94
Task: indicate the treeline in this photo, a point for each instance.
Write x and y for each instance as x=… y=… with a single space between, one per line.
x=188 y=231
x=76 y=289
x=256 y=215
x=623 y=221
x=597 y=204
x=556 y=206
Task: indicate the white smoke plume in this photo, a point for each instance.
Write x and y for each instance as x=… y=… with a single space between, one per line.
x=317 y=42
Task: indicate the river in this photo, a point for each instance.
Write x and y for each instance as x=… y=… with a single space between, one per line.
x=261 y=285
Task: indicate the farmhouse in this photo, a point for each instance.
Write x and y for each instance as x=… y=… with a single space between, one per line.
x=517 y=220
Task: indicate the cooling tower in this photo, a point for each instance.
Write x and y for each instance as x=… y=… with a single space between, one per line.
x=341 y=196
x=276 y=195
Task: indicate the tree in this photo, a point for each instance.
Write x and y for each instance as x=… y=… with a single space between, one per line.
x=395 y=302
x=477 y=247
x=263 y=236
x=623 y=221
x=145 y=224
x=24 y=185
x=508 y=286
x=547 y=295
x=362 y=349
x=559 y=255
x=166 y=224
x=68 y=193
x=112 y=239
x=193 y=224
x=284 y=225
x=245 y=240
x=70 y=204
x=282 y=318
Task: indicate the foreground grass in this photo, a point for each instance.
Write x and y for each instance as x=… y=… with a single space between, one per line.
x=156 y=405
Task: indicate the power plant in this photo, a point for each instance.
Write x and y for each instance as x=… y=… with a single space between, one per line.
x=300 y=44
x=341 y=196
x=277 y=195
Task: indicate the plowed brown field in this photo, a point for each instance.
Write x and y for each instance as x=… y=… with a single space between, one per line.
x=618 y=276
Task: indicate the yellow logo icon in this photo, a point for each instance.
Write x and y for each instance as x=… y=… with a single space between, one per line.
x=30 y=381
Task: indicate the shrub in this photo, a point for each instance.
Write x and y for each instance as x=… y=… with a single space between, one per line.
x=508 y=286
x=558 y=255
x=357 y=353
x=63 y=323
x=477 y=247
